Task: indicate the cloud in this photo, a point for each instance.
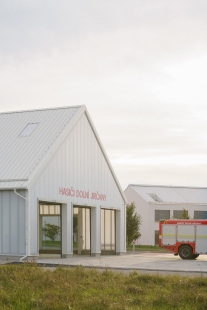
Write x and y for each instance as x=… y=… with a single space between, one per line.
x=28 y=27
x=138 y=66
x=178 y=160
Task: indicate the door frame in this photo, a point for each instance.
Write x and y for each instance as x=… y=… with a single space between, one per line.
x=40 y=217
x=82 y=207
x=110 y=252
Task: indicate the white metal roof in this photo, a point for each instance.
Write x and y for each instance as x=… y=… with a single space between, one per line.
x=171 y=194
x=21 y=153
x=28 y=139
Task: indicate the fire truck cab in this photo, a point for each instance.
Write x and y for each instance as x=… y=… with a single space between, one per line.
x=188 y=238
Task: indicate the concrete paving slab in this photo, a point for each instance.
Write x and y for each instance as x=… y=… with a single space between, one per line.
x=145 y=262
x=142 y=262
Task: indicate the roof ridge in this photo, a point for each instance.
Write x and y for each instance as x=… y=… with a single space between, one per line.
x=12 y=180
x=44 y=109
x=168 y=186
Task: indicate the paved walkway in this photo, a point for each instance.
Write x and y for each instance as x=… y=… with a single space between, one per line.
x=158 y=263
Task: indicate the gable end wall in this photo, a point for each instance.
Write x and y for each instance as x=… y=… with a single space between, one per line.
x=77 y=173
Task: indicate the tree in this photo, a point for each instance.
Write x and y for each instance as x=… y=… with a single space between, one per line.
x=51 y=231
x=185 y=215
x=133 y=222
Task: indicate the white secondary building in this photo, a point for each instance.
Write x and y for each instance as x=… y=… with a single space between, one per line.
x=58 y=191
x=164 y=202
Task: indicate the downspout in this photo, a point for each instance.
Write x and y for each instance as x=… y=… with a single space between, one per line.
x=26 y=237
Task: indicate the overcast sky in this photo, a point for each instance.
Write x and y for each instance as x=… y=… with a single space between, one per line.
x=139 y=66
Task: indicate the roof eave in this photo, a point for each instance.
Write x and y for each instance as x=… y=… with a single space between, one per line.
x=12 y=188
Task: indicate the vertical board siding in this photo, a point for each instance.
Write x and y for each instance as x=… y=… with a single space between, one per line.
x=12 y=221
x=33 y=218
x=5 y=222
x=78 y=163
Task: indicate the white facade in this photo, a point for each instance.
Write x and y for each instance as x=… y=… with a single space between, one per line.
x=150 y=201
x=61 y=163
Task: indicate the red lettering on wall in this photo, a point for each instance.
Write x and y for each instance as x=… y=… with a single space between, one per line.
x=81 y=194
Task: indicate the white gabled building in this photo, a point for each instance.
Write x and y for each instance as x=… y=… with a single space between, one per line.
x=58 y=191
x=163 y=202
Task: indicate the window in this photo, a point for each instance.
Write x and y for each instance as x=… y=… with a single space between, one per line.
x=50 y=209
x=162 y=215
x=28 y=130
x=156 y=237
x=200 y=215
x=177 y=214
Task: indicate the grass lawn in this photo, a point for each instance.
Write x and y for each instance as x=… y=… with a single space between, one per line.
x=51 y=243
x=150 y=248
x=56 y=243
x=27 y=286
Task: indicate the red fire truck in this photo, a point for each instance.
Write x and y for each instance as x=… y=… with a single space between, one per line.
x=188 y=238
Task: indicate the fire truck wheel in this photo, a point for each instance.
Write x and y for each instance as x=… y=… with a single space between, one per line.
x=185 y=252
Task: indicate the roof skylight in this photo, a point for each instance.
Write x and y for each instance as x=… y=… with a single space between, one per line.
x=155 y=197
x=28 y=130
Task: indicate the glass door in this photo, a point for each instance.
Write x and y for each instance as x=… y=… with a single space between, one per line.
x=108 y=231
x=50 y=229
x=81 y=230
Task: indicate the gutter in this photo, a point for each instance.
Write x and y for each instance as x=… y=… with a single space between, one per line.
x=26 y=227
